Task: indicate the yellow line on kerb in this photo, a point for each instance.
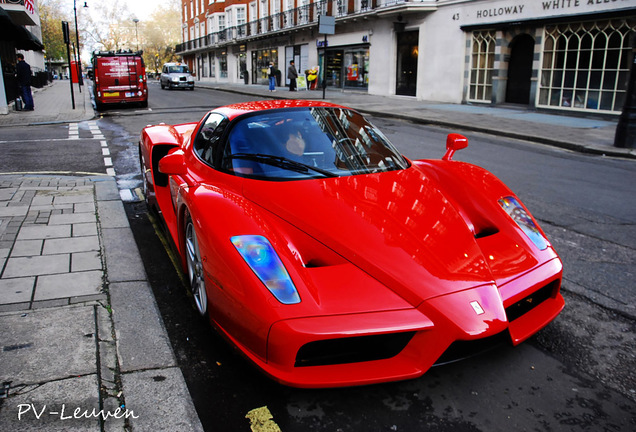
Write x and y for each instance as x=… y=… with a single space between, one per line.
x=176 y=261
x=261 y=420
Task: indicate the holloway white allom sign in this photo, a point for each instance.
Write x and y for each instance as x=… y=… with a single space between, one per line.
x=509 y=10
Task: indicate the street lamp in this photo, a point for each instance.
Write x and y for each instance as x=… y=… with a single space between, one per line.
x=136 y=21
x=80 y=81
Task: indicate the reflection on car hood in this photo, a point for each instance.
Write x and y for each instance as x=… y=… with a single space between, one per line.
x=398 y=227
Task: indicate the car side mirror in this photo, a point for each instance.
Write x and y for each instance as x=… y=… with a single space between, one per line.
x=173 y=163
x=454 y=142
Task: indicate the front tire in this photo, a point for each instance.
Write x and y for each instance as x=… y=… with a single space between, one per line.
x=194 y=265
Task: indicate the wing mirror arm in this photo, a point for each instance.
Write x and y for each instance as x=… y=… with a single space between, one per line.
x=454 y=142
x=173 y=163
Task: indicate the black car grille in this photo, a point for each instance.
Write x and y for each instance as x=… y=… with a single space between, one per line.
x=182 y=79
x=352 y=349
x=528 y=303
x=460 y=349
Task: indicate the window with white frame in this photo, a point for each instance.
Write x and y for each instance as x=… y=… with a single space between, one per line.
x=303 y=11
x=221 y=21
x=341 y=7
x=241 y=15
x=275 y=6
x=253 y=18
x=586 y=65
x=262 y=11
x=275 y=12
x=482 y=66
x=191 y=9
x=288 y=13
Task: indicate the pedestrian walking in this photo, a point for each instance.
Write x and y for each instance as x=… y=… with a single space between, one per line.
x=23 y=73
x=271 y=74
x=292 y=74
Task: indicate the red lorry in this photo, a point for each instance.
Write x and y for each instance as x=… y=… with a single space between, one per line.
x=119 y=77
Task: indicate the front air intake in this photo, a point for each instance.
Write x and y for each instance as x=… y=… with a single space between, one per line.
x=528 y=303
x=352 y=349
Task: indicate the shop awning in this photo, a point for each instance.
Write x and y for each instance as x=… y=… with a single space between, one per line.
x=19 y=35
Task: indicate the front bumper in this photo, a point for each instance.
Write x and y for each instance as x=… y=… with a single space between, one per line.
x=181 y=84
x=368 y=348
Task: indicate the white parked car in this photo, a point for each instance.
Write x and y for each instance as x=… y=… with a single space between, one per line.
x=176 y=75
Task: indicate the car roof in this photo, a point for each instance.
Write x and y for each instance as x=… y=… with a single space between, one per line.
x=235 y=110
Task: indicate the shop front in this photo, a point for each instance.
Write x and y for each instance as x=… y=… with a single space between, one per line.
x=346 y=67
x=574 y=56
x=260 y=62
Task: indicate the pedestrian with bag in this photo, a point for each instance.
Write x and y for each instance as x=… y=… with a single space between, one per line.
x=23 y=74
x=271 y=74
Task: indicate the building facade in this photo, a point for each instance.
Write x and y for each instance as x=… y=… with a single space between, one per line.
x=568 y=55
x=20 y=31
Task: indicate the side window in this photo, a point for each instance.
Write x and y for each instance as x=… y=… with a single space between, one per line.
x=207 y=140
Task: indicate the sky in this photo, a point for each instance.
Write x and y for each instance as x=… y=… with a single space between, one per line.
x=143 y=8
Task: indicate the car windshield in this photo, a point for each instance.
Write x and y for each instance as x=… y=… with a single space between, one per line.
x=178 y=69
x=310 y=142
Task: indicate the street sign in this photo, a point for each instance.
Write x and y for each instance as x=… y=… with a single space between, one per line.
x=326 y=24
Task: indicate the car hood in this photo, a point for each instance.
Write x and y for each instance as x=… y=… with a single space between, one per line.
x=404 y=228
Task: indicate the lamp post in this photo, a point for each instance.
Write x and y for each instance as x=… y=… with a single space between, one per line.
x=136 y=21
x=80 y=80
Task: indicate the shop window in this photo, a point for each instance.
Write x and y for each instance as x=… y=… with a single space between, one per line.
x=586 y=66
x=223 y=65
x=260 y=64
x=482 y=66
x=356 y=68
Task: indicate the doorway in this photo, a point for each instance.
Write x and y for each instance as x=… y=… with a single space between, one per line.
x=520 y=70
x=407 y=54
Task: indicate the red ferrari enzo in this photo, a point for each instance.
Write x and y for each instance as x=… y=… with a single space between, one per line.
x=329 y=259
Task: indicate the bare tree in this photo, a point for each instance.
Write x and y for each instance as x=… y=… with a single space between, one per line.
x=111 y=28
x=160 y=34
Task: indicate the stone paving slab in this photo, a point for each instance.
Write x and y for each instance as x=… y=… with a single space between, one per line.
x=47 y=344
x=170 y=410
x=54 y=402
x=75 y=284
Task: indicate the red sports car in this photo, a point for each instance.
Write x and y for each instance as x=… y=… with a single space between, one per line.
x=329 y=259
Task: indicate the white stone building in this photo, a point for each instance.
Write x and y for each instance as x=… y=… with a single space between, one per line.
x=569 y=55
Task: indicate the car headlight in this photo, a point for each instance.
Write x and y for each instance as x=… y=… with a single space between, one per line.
x=259 y=254
x=518 y=214
x=175 y=79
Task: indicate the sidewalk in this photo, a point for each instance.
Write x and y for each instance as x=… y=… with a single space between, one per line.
x=53 y=104
x=83 y=342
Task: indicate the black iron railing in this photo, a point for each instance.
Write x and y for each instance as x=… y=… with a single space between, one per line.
x=301 y=16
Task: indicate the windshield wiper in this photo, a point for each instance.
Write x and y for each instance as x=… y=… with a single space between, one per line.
x=282 y=162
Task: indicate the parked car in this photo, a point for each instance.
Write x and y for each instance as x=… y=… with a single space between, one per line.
x=330 y=259
x=176 y=75
x=119 y=78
